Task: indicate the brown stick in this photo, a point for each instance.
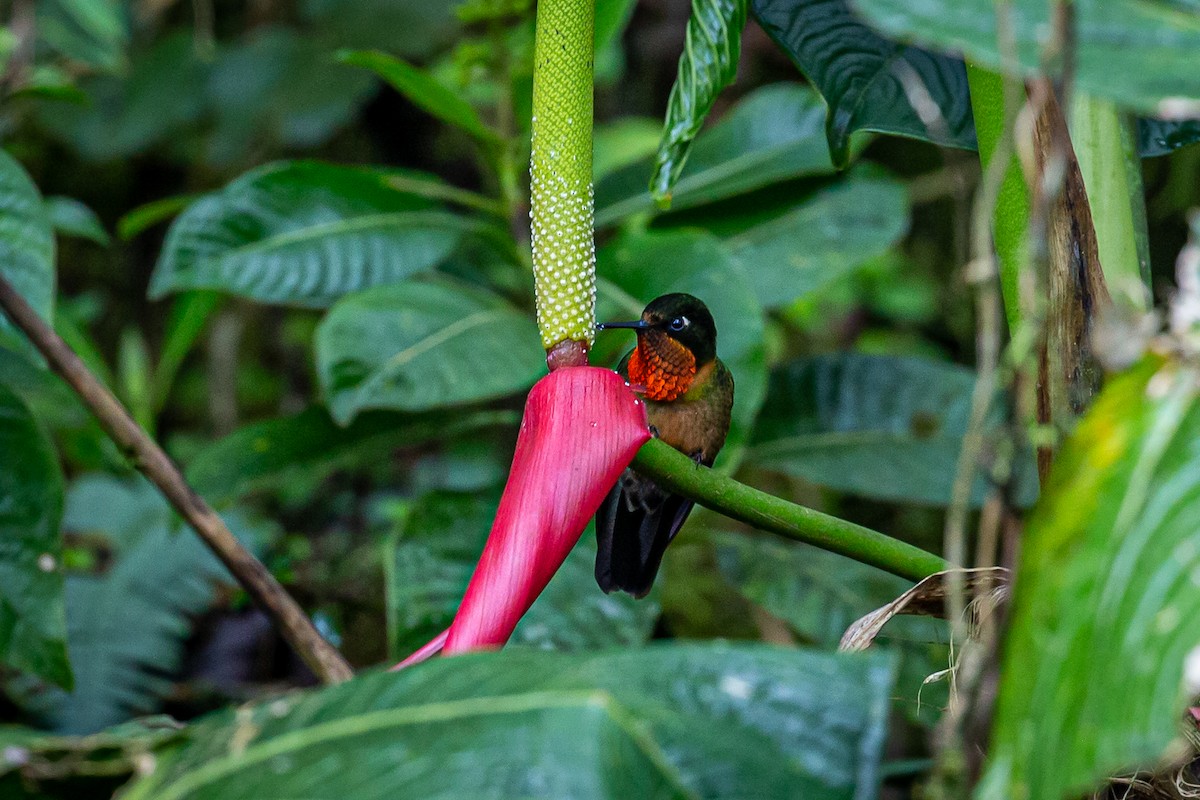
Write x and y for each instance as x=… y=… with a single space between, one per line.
x=320 y=656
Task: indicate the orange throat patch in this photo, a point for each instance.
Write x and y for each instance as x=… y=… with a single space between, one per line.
x=661 y=368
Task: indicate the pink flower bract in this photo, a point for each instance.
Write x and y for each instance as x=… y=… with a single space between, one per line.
x=582 y=427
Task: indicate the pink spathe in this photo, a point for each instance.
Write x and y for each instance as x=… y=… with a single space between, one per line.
x=582 y=427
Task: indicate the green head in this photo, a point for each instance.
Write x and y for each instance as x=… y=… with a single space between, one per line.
x=682 y=317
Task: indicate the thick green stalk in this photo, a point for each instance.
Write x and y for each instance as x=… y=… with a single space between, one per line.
x=564 y=254
x=674 y=471
x=1010 y=218
x=1106 y=147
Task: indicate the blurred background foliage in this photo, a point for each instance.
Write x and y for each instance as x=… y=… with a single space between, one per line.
x=292 y=237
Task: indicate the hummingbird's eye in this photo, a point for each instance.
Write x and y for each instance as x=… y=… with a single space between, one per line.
x=679 y=323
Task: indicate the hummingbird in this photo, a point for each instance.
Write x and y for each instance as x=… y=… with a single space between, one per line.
x=689 y=398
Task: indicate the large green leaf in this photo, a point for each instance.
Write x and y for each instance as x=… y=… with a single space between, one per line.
x=878 y=426
x=820 y=594
x=93 y=32
x=418 y=346
x=869 y=82
x=310 y=444
x=430 y=561
x=127 y=620
x=1105 y=608
x=707 y=65
x=696 y=263
x=822 y=239
x=674 y=721
x=773 y=134
x=1138 y=53
x=32 y=624
x=26 y=243
x=305 y=233
x=422 y=89
x=162 y=92
x=279 y=86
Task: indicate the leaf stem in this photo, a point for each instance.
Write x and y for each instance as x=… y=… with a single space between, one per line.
x=324 y=660
x=674 y=471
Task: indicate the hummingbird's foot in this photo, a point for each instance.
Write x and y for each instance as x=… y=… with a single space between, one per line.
x=698 y=457
x=653 y=431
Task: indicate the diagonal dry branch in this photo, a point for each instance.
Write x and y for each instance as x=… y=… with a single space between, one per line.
x=145 y=454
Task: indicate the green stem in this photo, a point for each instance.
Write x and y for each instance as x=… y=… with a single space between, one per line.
x=993 y=104
x=1106 y=147
x=564 y=258
x=674 y=471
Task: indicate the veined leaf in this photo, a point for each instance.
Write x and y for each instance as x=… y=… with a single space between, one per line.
x=869 y=82
x=417 y=346
x=821 y=239
x=26 y=244
x=671 y=721
x=708 y=64
x=1138 y=53
x=878 y=426
x=422 y=89
x=1105 y=606
x=774 y=134
x=32 y=623
x=304 y=233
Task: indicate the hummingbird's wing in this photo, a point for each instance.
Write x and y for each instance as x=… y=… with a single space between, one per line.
x=634 y=525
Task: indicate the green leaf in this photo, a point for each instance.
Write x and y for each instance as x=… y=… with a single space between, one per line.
x=127 y=623
x=621 y=142
x=162 y=93
x=877 y=426
x=266 y=454
x=422 y=89
x=611 y=18
x=822 y=239
x=820 y=594
x=26 y=245
x=696 y=263
x=774 y=134
x=869 y=82
x=304 y=233
x=412 y=30
x=32 y=624
x=1157 y=137
x=150 y=214
x=94 y=32
x=1139 y=53
x=430 y=561
x=417 y=346
x=712 y=47
x=279 y=87
x=186 y=320
x=1105 y=608
x=674 y=721
x=73 y=218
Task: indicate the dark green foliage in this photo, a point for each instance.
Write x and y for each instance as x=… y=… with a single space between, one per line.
x=869 y=82
x=675 y=721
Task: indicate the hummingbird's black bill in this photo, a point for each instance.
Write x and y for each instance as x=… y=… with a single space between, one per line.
x=636 y=325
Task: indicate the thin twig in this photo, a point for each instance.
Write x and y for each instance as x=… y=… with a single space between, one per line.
x=321 y=657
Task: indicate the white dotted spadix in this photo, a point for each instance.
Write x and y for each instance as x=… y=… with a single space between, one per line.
x=560 y=170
